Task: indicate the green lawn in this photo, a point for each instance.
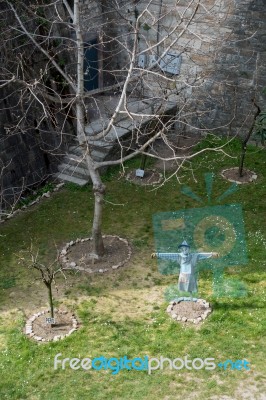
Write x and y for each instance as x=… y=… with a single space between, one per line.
x=123 y=313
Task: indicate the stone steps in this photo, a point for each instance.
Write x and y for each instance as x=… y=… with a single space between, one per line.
x=74 y=170
x=73 y=167
x=70 y=178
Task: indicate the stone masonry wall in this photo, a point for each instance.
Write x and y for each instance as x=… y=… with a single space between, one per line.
x=222 y=45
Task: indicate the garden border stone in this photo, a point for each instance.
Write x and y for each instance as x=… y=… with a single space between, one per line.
x=72 y=265
x=197 y=320
x=45 y=195
x=129 y=179
x=253 y=178
x=30 y=332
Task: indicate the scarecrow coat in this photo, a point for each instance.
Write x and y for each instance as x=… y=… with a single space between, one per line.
x=187 y=281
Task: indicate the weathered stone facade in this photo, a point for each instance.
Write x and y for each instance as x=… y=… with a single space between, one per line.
x=222 y=45
x=29 y=155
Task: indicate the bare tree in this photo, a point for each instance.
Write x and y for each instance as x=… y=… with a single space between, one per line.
x=150 y=74
x=246 y=139
x=30 y=259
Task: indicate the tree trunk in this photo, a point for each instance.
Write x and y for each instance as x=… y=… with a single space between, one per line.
x=98 y=187
x=143 y=161
x=80 y=110
x=99 y=191
x=245 y=141
x=97 y=240
x=50 y=297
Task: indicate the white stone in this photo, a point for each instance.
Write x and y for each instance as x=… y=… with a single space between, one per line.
x=73 y=264
x=63 y=252
x=47 y=194
x=169 y=308
x=38 y=338
x=174 y=315
x=184 y=319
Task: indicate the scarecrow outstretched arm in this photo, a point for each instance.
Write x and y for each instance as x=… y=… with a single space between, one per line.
x=203 y=256
x=166 y=256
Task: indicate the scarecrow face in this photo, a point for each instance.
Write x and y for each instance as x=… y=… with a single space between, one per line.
x=184 y=250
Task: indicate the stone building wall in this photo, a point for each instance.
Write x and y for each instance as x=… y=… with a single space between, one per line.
x=223 y=68
x=222 y=45
x=29 y=155
x=30 y=148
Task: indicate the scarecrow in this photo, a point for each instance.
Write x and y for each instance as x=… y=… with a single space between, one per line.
x=187 y=281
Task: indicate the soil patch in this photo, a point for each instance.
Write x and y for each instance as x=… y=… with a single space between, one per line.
x=63 y=325
x=79 y=255
x=232 y=175
x=188 y=309
x=185 y=310
x=151 y=177
x=38 y=328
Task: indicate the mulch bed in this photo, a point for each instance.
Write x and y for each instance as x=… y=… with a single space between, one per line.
x=232 y=175
x=151 y=177
x=185 y=310
x=79 y=255
x=38 y=329
x=188 y=309
x=63 y=325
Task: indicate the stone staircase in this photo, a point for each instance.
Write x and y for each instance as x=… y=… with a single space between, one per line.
x=73 y=167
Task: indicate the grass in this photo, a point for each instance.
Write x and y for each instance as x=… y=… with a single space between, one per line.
x=124 y=313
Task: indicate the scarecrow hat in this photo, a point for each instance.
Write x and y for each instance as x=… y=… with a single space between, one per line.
x=184 y=244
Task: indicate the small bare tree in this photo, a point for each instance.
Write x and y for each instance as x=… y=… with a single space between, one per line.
x=247 y=137
x=30 y=259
